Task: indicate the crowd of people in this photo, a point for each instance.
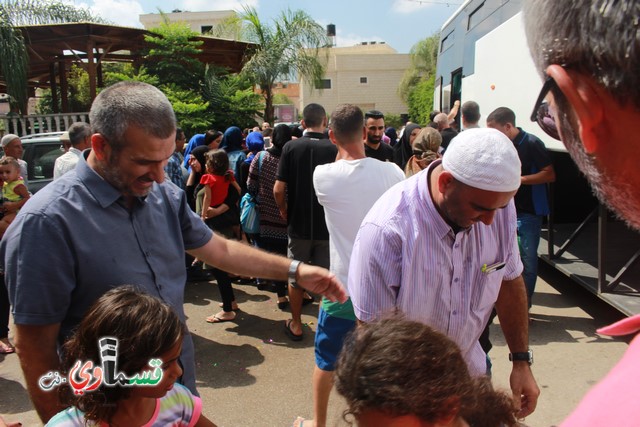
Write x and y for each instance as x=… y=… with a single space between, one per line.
x=334 y=201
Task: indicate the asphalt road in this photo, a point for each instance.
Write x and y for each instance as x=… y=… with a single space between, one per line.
x=250 y=374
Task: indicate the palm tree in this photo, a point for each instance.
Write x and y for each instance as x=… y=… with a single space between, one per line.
x=13 y=52
x=290 y=48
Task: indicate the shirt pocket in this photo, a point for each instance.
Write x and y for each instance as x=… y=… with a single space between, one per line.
x=489 y=288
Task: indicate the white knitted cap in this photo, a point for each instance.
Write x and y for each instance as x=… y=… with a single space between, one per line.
x=8 y=138
x=485 y=159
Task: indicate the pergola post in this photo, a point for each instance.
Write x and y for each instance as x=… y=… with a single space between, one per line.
x=64 y=87
x=91 y=69
x=54 y=87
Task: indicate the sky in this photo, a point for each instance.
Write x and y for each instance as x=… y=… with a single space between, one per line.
x=399 y=23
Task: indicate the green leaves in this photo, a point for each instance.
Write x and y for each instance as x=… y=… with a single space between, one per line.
x=13 y=53
x=417 y=85
x=288 y=49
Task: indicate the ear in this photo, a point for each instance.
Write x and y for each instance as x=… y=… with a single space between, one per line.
x=364 y=133
x=445 y=179
x=584 y=96
x=332 y=137
x=100 y=147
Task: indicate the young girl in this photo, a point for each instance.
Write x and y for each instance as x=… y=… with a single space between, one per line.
x=216 y=180
x=146 y=328
x=14 y=191
x=400 y=373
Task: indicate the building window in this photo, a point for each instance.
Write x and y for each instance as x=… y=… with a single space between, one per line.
x=474 y=17
x=205 y=29
x=447 y=42
x=324 y=84
x=363 y=80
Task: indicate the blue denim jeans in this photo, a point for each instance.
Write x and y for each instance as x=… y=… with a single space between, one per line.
x=529 y=228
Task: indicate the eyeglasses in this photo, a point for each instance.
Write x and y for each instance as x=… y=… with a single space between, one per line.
x=543 y=113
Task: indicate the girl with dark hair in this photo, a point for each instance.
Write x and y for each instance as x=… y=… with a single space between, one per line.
x=145 y=329
x=397 y=372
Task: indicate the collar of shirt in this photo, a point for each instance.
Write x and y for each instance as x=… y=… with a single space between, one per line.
x=313 y=135
x=75 y=151
x=105 y=193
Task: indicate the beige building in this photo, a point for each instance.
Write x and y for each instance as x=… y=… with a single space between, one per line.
x=200 y=22
x=367 y=75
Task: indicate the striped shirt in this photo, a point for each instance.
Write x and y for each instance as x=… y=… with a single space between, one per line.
x=407 y=258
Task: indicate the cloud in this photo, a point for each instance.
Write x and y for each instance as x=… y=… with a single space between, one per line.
x=408 y=6
x=206 y=5
x=118 y=12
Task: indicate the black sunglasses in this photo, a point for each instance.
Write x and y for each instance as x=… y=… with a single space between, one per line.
x=542 y=113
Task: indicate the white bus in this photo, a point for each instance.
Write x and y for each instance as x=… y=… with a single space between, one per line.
x=483 y=56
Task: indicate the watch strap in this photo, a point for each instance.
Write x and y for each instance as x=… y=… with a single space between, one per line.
x=293 y=269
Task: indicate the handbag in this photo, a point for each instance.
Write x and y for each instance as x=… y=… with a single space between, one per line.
x=249 y=214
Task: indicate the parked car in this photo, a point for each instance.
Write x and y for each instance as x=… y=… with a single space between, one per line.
x=40 y=152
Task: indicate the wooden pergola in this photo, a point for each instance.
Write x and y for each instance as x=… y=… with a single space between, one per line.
x=53 y=48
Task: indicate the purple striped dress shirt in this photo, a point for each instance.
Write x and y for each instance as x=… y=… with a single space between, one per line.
x=406 y=258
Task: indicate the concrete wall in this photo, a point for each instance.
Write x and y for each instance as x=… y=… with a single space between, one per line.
x=383 y=69
x=195 y=20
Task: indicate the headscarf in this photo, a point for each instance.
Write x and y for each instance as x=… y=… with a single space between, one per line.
x=232 y=139
x=392 y=135
x=427 y=143
x=402 y=150
x=196 y=140
x=192 y=191
x=425 y=150
x=255 y=143
x=281 y=135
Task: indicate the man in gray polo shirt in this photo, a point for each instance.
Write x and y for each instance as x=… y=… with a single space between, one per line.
x=112 y=221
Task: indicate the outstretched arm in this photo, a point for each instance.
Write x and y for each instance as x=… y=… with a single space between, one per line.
x=235 y=257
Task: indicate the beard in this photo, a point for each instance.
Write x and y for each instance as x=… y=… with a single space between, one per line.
x=373 y=140
x=613 y=191
x=112 y=173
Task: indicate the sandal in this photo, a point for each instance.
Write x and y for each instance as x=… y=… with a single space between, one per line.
x=6 y=347
x=217 y=318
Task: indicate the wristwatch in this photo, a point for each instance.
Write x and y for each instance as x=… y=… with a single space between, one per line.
x=293 y=269
x=526 y=356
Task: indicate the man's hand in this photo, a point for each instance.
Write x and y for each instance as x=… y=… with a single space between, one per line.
x=524 y=388
x=320 y=281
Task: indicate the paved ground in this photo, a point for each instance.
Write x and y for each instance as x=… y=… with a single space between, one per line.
x=250 y=374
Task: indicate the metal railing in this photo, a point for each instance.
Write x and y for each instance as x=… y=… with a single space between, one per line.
x=40 y=123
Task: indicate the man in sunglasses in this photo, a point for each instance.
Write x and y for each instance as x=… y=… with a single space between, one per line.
x=589 y=53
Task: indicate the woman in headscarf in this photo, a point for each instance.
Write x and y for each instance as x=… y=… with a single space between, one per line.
x=425 y=151
x=232 y=144
x=196 y=162
x=255 y=143
x=392 y=135
x=402 y=151
x=262 y=177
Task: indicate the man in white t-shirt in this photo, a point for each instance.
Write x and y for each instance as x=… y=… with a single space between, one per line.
x=346 y=189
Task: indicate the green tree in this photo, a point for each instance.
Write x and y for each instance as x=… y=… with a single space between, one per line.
x=281 y=98
x=290 y=48
x=421 y=101
x=232 y=99
x=173 y=59
x=13 y=51
x=419 y=77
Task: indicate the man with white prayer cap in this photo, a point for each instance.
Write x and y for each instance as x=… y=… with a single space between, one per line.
x=441 y=248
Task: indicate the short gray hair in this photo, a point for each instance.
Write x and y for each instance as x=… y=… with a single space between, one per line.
x=78 y=132
x=131 y=103
x=599 y=38
x=441 y=119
